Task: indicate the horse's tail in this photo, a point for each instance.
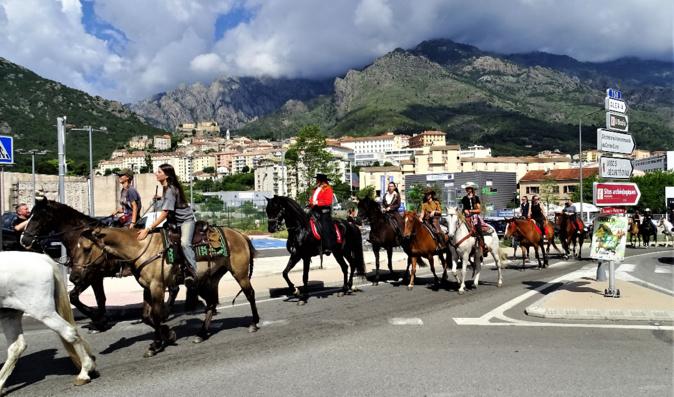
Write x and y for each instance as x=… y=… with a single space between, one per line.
x=353 y=234
x=63 y=308
x=252 y=252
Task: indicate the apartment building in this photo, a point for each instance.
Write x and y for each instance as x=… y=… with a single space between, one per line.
x=427 y=138
x=375 y=144
x=553 y=185
x=161 y=142
x=199 y=129
x=141 y=142
x=519 y=165
x=271 y=176
x=475 y=151
x=432 y=159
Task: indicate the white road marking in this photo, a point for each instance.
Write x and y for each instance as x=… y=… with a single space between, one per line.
x=268 y=323
x=663 y=269
x=626 y=268
x=405 y=321
x=589 y=270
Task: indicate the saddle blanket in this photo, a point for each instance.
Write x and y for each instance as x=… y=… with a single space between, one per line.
x=317 y=235
x=208 y=243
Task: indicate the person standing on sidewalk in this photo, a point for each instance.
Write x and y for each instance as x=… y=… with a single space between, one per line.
x=178 y=214
x=129 y=200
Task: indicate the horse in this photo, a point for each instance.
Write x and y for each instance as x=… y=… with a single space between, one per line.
x=148 y=261
x=525 y=230
x=302 y=244
x=51 y=216
x=648 y=229
x=418 y=242
x=32 y=284
x=633 y=232
x=667 y=231
x=464 y=242
x=570 y=232
x=382 y=232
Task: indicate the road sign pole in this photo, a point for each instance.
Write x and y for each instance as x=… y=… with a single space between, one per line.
x=601 y=271
x=2 y=207
x=612 y=291
x=61 y=150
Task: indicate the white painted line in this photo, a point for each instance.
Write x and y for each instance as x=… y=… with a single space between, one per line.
x=518 y=323
x=405 y=321
x=626 y=268
x=629 y=277
x=663 y=269
x=274 y=322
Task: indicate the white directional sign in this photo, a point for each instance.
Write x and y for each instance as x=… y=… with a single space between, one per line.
x=614 y=105
x=617 y=122
x=614 y=142
x=618 y=168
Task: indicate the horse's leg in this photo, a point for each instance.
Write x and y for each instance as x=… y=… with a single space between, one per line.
x=413 y=271
x=306 y=263
x=497 y=261
x=16 y=344
x=209 y=292
x=173 y=290
x=389 y=255
x=375 y=249
x=345 y=272
x=100 y=321
x=464 y=264
x=291 y=263
x=445 y=265
x=525 y=255
x=74 y=295
x=431 y=262
x=477 y=269
x=162 y=334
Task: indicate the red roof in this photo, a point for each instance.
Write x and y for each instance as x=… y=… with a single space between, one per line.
x=566 y=174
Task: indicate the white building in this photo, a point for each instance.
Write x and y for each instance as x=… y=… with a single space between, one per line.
x=271 y=176
x=661 y=162
x=375 y=144
x=475 y=151
x=162 y=142
x=141 y=142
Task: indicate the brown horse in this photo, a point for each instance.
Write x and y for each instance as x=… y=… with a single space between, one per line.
x=147 y=259
x=418 y=242
x=525 y=231
x=633 y=230
x=570 y=232
x=382 y=232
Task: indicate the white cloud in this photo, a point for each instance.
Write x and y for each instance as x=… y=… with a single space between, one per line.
x=168 y=42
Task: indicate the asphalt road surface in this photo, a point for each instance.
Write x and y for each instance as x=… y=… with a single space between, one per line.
x=383 y=340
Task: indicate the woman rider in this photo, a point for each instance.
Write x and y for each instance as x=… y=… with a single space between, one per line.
x=390 y=205
x=538 y=215
x=177 y=212
x=431 y=211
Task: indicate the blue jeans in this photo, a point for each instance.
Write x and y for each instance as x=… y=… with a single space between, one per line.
x=186 y=233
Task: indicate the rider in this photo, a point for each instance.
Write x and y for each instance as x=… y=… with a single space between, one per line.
x=570 y=211
x=320 y=203
x=390 y=205
x=538 y=214
x=129 y=200
x=524 y=207
x=472 y=210
x=431 y=210
x=177 y=212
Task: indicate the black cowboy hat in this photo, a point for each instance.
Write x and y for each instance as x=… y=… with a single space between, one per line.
x=322 y=177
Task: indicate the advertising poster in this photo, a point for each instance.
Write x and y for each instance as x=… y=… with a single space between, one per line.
x=609 y=238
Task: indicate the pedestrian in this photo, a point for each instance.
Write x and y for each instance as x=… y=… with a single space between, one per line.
x=21 y=220
x=128 y=211
x=179 y=215
x=320 y=204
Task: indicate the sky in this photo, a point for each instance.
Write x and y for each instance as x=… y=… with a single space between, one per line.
x=129 y=50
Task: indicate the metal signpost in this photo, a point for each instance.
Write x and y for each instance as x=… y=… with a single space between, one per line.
x=610 y=228
x=6 y=158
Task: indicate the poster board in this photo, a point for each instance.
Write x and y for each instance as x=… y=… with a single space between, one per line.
x=609 y=237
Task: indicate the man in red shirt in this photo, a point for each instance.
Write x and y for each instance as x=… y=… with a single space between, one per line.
x=320 y=203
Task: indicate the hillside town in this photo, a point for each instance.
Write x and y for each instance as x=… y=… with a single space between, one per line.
x=201 y=151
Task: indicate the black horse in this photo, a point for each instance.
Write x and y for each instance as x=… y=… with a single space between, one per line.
x=303 y=245
x=68 y=224
x=648 y=229
x=383 y=233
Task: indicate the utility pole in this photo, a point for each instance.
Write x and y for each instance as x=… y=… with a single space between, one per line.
x=33 y=153
x=580 y=155
x=90 y=129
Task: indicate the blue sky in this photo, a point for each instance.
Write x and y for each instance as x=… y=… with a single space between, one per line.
x=132 y=49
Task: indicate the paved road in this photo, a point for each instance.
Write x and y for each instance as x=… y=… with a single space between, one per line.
x=384 y=340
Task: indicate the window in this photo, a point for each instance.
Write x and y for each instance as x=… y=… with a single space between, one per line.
x=533 y=190
x=569 y=188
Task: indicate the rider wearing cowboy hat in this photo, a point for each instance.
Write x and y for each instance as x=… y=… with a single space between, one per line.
x=538 y=214
x=472 y=210
x=431 y=210
x=320 y=203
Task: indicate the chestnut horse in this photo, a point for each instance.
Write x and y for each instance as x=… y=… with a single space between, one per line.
x=382 y=233
x=570 y=232
x=147 y=259
x=418 y=242
x=633 y=232
x=526 y=231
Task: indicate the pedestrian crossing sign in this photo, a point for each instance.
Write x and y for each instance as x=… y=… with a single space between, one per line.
x=6 y=150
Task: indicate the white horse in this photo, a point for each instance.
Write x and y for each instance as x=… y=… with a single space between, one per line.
x=666 y=231
x=31 y=283
x=464 y=244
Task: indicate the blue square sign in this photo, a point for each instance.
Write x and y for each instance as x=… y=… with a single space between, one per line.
x=6 y=150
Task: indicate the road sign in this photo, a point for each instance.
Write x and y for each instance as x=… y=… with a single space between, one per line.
x=617 y=121
x=606 y=194
x=614 y=142
x=615 y=94
x=614 y=105
x=611 y=167
x=6 y=150
x=613 y=210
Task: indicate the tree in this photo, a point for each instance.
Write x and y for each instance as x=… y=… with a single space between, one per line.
x=307 y=157
x=549 y=191
x=414 y=195
x=587 y=190
x=245 y=169
x=341 y=190
x=209 y=170
x=367 y=191
x=652 y=187
x=148 y=164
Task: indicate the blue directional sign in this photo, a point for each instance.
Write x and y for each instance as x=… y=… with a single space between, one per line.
x=614 y=94
x=6 y=150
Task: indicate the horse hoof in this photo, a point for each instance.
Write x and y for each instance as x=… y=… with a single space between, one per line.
x=499 y=285
x=94 y=331
x=197 y=339
x=461 y=292
x=410 y=287
x=340 y=294
x=296 y=292
x=355 y=289
x=94 y=374
x=301 y=303
x=375 y=283
x=171 y=337
x=149 y=353
x=253 y=328
x=80 y=382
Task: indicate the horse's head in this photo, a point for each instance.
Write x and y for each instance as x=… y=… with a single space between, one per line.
x=452 y=221
x=40 y=222
x=511 y=227
x=410 y=221
x=275 y=213
x=87 y=257
x=368 y=208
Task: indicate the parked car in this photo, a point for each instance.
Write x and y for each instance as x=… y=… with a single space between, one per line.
x=10 y=239
x=498 y=223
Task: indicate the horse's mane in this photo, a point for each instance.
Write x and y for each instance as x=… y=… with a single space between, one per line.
x=64 y=214
x=294 y=207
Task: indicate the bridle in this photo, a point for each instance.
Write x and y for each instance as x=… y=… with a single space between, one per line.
x=279 y=220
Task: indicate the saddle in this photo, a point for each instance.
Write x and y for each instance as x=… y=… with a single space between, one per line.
x=208 y=242
x=316 y=230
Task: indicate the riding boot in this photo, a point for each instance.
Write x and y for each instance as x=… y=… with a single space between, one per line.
x=190 y=279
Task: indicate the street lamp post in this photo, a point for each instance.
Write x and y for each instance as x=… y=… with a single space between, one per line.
x=90 y=129
x=580 y=155
x=33 y=153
